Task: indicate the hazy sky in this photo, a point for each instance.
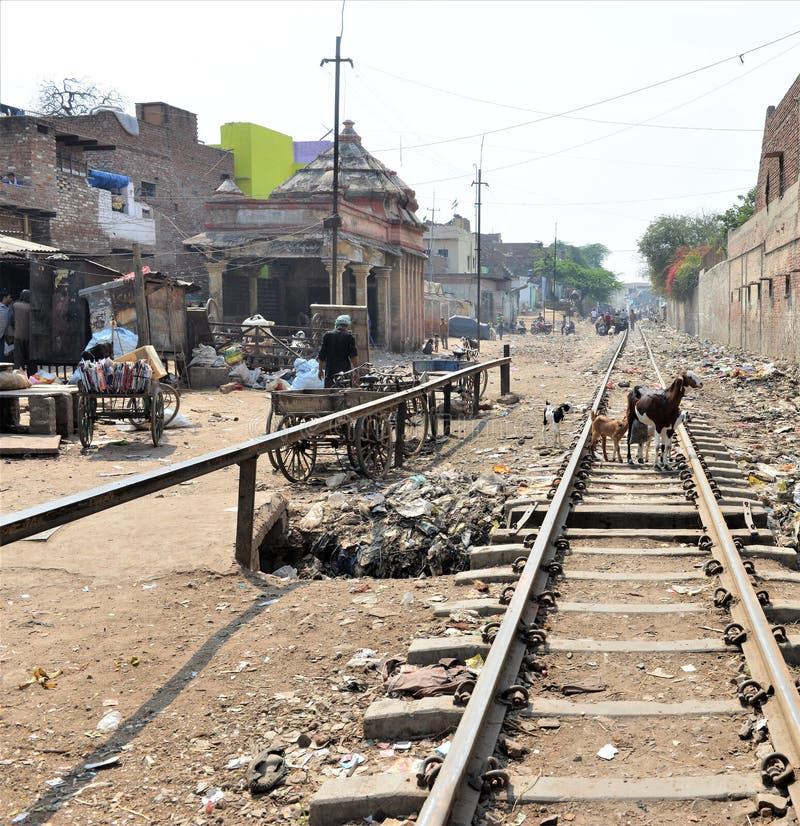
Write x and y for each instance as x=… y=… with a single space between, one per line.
x=433 y=80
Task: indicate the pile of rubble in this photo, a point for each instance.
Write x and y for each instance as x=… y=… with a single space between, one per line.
x=761 y=412
x=423 y=525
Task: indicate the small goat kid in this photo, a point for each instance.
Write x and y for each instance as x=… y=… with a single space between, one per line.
x=604 y=428
x=553 y=416
x=659 y=411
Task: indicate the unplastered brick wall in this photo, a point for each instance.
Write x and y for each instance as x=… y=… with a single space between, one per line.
x=27 y=145
x=167 y=158
x=781 y=135
x=75 y=227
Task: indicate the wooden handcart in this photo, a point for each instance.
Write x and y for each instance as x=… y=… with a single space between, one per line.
x=143 y=410
x=367 y=440
x=465 y=387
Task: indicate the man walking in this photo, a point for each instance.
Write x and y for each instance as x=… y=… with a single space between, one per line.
x=338 y=353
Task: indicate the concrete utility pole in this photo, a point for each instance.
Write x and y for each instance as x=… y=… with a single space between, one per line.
x=334 y=222
x=430 y=240
x=555 y=292
x=140 y=297
x=479 y=183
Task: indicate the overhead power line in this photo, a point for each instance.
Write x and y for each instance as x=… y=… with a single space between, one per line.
x=737 y=56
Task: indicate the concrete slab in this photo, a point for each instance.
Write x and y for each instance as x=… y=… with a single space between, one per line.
x=506 y=574
x=356 y=798
x=491 y=607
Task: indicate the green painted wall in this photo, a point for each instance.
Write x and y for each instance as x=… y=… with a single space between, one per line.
x=263 y=158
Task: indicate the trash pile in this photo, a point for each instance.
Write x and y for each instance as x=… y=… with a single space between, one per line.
x=761 y=419
x=423 y=525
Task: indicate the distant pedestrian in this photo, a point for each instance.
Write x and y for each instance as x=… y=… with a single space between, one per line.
x=6 y=323
x=500 y=327
x=443 y=331
x=563 y=325
x=632 y=319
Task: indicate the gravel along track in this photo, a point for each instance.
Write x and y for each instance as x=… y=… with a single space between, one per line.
x=631 y=705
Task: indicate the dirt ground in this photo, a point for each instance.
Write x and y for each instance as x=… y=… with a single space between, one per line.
x=143 y=612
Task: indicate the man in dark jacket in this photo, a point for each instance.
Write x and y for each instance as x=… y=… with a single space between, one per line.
x=338 y=353
x=22 y=333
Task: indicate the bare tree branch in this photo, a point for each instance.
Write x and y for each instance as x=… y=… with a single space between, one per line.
x=74 y=96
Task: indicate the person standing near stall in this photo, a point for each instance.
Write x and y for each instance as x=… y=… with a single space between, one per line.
x=443 y=331
x=338 y=353
x=22 y=333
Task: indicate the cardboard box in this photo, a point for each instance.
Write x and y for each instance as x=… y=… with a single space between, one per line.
x=147 y=353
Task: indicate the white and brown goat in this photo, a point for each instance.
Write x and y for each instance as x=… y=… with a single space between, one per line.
x=659 y=412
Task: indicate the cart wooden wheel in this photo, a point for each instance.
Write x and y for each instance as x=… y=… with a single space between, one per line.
x=86 y=413
x=271 y=453
x=137 y=413
x=172 y=401
x=157 y=416
x=296 y=461
x=373 y=444
x=416 y=426
x=467 y=394
x=484 y=381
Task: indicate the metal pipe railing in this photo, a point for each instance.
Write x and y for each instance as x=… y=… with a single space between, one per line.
x=15 y=526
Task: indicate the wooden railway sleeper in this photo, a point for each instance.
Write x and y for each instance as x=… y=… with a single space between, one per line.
x=751 y=693
x=734 y=634
x=776 y=770
x=515 y=696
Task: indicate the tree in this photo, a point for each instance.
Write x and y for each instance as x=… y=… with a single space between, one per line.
x=74 y=96
x=579 y=267
x=739 y=213
x=668 y=233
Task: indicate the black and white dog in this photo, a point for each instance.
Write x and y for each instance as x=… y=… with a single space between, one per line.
x=553 y=416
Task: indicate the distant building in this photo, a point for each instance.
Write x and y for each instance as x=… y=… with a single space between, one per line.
x=273 y=256
x=96 y=184
x=264 y=158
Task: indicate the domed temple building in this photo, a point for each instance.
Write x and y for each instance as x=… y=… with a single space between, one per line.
x=273 y=256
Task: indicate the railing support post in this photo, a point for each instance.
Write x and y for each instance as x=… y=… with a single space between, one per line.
x=400 y=435
x=505 y=372
x=244 y=515
x=446 y=410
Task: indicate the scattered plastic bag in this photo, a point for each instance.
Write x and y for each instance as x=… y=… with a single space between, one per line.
x=123 y=340
x=110 y=721
x=307 y=377
x=179 y=420
x=206 y=356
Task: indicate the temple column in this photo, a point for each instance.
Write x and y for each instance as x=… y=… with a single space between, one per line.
x=335 y=280
x=361 y=271
x=215 y=271
x=383 y=324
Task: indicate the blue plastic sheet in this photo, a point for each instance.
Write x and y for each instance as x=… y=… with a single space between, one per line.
x=107 y=180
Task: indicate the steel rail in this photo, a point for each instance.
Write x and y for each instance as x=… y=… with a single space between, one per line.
x=57 y=512
x=436 y=809
x=772 y=659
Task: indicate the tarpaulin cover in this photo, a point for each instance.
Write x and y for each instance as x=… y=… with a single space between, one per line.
x=107 y=180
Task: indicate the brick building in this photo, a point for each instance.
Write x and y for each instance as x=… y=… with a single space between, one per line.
x=752 y=299
x=169 y=174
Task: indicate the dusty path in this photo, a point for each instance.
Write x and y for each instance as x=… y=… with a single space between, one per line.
x=143 y=612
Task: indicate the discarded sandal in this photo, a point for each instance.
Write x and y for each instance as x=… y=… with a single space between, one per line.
x=267 y=771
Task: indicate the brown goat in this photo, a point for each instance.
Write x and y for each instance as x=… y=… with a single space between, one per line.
x=603 y=428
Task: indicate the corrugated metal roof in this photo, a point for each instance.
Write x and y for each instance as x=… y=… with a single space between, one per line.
x=8 y=243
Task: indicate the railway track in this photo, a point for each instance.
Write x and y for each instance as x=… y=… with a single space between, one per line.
x=638 y=636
